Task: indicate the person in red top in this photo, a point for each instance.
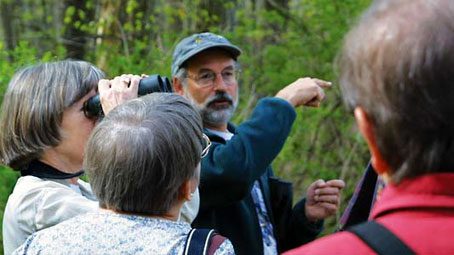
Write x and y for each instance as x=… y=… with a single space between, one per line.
x=396 y=72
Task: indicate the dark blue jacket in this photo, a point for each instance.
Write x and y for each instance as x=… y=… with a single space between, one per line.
x=228 y=174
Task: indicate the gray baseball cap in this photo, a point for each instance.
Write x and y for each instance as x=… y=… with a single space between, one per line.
x=196 y=43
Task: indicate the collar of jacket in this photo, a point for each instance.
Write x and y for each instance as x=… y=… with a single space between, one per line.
x=423 y=192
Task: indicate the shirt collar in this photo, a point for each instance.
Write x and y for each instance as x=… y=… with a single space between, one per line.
x=427 y=191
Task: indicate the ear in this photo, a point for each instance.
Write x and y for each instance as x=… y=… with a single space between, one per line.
x=177 y=86
x=367 y=130
x=188 y=188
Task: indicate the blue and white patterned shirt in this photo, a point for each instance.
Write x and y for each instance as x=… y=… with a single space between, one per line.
x=269 y=242
x=105 y=232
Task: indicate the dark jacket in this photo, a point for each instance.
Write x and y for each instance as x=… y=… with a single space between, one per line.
x=228 y=174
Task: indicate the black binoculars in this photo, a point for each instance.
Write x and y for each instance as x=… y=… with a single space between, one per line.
x=147 y=85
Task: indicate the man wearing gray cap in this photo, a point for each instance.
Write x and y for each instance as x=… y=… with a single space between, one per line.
x=239 y=196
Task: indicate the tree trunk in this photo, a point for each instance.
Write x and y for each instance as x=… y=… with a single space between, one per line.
x=107 y=29
x=7 y=9
x=75 y=37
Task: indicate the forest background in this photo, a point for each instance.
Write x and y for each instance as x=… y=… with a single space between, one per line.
x=281 y=40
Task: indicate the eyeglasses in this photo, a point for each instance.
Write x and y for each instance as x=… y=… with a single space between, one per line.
x=207 y=146
x=207 y=78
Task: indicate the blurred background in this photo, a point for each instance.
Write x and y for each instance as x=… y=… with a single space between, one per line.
x=282 y=40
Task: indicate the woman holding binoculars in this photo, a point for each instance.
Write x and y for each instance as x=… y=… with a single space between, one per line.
x=45 y=127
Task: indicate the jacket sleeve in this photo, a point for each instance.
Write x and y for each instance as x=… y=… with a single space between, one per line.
x=291 y=227
x=230 y=169
x=299 y=229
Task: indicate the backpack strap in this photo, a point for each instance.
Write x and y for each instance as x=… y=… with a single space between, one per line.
x=216 y=241
x=202 y=242
x=380 y=239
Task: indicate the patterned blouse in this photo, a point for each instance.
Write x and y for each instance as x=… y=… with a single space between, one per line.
x=105 y=232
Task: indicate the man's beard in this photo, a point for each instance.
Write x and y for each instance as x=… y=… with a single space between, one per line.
x=213 y=115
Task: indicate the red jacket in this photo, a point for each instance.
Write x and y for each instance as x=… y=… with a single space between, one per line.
x=419 y=211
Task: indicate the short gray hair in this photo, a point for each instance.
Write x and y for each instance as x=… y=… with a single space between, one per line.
x=33 y=106
x=181 y=75
x=397 y=64
x=141 y=153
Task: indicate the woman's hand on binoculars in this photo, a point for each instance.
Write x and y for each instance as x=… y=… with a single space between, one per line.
x=117 y=91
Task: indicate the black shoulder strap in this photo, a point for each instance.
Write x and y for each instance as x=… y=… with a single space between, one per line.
x=198 y=241
x=380 y=239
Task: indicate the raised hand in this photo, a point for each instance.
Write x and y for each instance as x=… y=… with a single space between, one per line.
x=117 y=91
x=304 y=91
x=323 y=199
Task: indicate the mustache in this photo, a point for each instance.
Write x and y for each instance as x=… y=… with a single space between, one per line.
x=218 y=97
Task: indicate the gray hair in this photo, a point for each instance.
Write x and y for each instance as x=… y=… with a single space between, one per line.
x=181 y=74
x=397 y=64
x=33 y=106
x=138 y=157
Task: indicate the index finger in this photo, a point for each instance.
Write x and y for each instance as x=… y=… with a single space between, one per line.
x=313 y=103
x=336 y=183
x=135 y=80
x=320 y=183
x=103 y=85
x=322 y=83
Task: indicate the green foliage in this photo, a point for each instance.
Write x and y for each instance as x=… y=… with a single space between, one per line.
x=70 y=11
x=23 y=55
